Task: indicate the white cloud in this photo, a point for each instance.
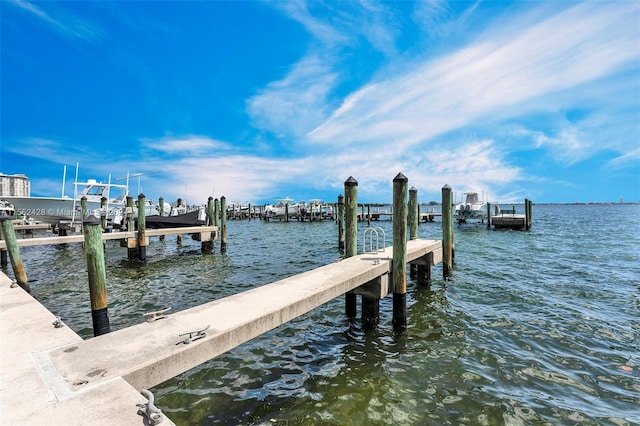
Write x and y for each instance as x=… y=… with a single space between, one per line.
x=288 y=107
x=491 y=78
x=64 y=23
x=188 y=144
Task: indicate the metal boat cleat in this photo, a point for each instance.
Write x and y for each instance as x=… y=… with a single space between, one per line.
x=156 y=315
x=193 y=335
x=152 y=413
x=58 y=322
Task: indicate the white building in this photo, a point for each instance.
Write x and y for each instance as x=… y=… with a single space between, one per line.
x=14 y=186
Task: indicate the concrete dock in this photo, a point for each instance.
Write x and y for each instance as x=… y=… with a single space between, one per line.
x=50 y=376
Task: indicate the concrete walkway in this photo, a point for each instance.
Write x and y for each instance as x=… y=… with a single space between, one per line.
x=51 y=376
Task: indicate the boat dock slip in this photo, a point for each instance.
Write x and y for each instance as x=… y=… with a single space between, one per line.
x=106 y=373
x=27 y=335
x=203 y=232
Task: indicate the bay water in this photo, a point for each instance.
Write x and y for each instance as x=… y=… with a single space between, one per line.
x=535 y=327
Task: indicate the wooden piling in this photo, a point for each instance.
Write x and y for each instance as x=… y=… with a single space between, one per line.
x=132 y=252
x=216 y=212
x=340 y=220
x=527 y=213
x=207 y=246
x=447 y=232
x=161 y=205
x=210 y=210
x=9 y=236
x=488 y=215
x=94 y=251
x=399 y=261
x=178 y=205
x=3 y=258
x=351 y=235
x=413 y=217
x=223 y=225
x=83 y=206
x=103 y=213
x=142 y=226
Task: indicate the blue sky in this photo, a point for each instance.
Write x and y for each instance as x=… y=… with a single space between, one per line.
x=262 y=100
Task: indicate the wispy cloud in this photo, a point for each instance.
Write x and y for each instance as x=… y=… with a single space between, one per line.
x=62 y=22
x=487 y=78
x=186 y=145
x=291 y=106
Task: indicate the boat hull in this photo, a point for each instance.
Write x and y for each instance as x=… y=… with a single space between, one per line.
x=51 y=210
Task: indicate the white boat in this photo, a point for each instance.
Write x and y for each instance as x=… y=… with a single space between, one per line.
x=316 y=209
x=61 y=209
x=7 y=211
x=281 y=207
x=471 y=209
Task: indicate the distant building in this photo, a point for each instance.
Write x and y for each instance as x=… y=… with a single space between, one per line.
x=14 y=186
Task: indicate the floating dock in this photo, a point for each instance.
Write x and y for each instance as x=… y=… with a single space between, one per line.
x=511 y=221
x=50 y=375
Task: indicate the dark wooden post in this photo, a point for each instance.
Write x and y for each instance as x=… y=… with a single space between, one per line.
x=83 y=206
x=413 y=218
x=488 y=215
x=210 y=210
x=216 y=212
x=399 y=262
x=9 y=236
x=94 y=251
x=132 y=252
x=207 y=246
x=447 y=232
x=103 y=213
x=340 y=220
x=527 y=213
x=161 y=205
x=351 y=235
x=223 y=225
x=142 y=225
x=179 y=236
x=368 y=214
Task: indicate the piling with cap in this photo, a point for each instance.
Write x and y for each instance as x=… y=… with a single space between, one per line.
x=9 y=236
x=399 y=261
x=223 y=224
x=132 y=252
x=103 y=213
x=94 y=251
x=527 y=213
x=84 y=206
x=161 y=206
x=142 y=225
x=216 y=212
x=413 y=217
x=447 y=232
x=207 y=246
x=488 y=215
x=340 y=220
x=178 y=205
x=351 y=234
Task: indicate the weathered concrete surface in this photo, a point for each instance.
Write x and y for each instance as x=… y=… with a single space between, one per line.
x=150 y=353
x=51 y=376
x=28 y=395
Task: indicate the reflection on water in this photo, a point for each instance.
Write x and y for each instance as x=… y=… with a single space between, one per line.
x=534 y=327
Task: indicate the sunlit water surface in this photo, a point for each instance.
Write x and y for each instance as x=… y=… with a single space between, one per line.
x=537 y=327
